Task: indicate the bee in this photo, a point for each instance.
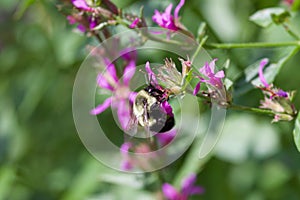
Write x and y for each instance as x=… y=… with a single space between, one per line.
x=149 y=110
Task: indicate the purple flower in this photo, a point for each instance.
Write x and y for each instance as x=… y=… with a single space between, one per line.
x=126 y=163
x=212 y=78
x=166 y=19
x=71 y=19
x=134 y=23
x=166 y=107
x=187 y=189
x=82 y=5
x=91 y=22
x=269 y=88
x=276 y=100
x=122 y=93
x=167 y=137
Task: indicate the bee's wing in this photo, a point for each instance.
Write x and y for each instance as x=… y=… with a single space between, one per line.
x=132 y=126
x=146 y=122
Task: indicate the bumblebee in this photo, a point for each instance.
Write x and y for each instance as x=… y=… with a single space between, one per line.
x=150 y=112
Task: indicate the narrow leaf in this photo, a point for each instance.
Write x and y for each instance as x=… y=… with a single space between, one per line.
x=297 y=132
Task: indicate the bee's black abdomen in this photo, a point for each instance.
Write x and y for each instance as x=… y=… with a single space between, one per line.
x=163 y=123
x=170 y=123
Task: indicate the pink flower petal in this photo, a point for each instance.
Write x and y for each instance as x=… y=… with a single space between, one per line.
x=102 y=82
x=212 y=65
x=71 y=19
x=167 y=108
x=170 y=192
x=260 y=72
x=168 y=10
x=157 y=17
x=81 y=4
x=93 y=22
x=100 y=108
x=166 y=138
x=188 y=182
x=134 y=23
x=205 y=70
x=282 y=93
x=151 y=75
x=129 y=72
x=81 y=28
x=126 y=165
x=110 y=67
x=123 y=113
x=129 y=54
x=196 y=190
x=125 y=148
x=197 y=88
x=177 y=9
x=220 y=74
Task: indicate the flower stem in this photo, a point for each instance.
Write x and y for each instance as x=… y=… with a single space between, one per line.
x=238 y=107
x=251 y=45
x=250 y=109
x=157 y=39
x=202 y=42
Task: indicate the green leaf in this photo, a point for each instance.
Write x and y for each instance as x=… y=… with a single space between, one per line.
x=297 y=132
x=251 y=78
x=23 y=6
x=264 y=17
x=296 y=5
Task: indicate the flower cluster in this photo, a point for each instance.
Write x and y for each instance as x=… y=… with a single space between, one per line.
x=188 y=188
x=211 y=78
x=214 y=83
x=275 y=99
x=91 y=16
x=166 y=19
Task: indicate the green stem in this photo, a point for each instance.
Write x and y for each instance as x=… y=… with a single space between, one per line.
x=289 y=31
x=237 y=107
x=251 y=45
x=157 y=39
x=250 y=109
x=202 y=42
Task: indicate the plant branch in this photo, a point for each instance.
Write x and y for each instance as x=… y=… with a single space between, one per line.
x=250 y=109
x=251 y=45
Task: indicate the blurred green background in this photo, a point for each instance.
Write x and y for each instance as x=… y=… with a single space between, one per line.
x=41 y=156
